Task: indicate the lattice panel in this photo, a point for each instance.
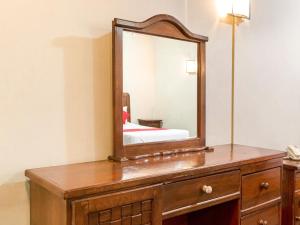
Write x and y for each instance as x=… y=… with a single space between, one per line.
x=138 y=213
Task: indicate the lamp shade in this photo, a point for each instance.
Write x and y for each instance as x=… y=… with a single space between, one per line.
x=241 y=8
x=237 y=8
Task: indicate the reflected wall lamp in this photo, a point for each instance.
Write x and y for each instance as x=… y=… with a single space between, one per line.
x=191 y=67
x=234 y=12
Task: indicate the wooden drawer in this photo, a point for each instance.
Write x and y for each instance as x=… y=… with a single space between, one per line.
x=297 y=181
x=186 y=193
x=268 y=216
x=260 y=187
x=297 y=208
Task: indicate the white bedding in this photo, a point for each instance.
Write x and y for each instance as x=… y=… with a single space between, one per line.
x=138 y=137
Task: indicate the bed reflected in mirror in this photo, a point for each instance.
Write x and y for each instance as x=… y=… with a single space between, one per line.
x=159 y=89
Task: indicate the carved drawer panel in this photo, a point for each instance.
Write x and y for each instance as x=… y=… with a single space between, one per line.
x=137 y=213
x=134 y=207
x=261 y=187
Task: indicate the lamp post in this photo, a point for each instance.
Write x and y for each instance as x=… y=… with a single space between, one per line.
x=237 y=11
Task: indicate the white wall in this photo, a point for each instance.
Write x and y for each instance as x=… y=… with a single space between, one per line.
x=203 y=19
x=55 y=86
x=268 y=75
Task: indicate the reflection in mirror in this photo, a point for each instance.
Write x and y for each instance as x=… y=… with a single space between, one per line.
x=182 y=162
x=160 y=89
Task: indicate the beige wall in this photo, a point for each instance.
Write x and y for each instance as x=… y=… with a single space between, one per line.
x=55 y=86
x=138 y=74
x=176 y=90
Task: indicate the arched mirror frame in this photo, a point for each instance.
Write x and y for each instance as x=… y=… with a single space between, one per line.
x=163 y=26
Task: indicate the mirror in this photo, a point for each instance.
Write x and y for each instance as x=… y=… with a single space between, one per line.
x=159 y=89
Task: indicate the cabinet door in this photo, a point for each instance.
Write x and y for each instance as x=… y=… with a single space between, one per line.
x=297 y=209
x=134 y=207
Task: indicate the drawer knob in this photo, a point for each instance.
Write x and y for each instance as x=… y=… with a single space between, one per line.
x=265 y=185
x=263 y=222
x=297 y=218
x=207 y=189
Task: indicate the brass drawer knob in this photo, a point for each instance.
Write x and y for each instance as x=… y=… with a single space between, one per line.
x=265 y=185
x=297 y=218
x=263 y=222
x=207 y=189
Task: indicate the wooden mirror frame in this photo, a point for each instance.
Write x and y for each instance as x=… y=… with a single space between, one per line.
x=163 y=26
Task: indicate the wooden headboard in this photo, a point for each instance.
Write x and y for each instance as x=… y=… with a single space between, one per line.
x=126 y=102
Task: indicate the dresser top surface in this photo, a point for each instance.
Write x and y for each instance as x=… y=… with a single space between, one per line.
x=291 y=164
x=73 y=180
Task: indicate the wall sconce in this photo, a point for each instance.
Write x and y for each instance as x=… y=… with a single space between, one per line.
x=191 y=66
x=237 y=10
x=240 y=8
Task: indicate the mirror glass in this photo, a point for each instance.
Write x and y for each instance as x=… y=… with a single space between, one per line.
x=159 y=89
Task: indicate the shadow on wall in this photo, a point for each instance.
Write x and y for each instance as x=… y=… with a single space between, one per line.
x=88 y=96
x=88 y=115
x=14 y=199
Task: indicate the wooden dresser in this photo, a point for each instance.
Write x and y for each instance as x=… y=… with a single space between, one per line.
x=291 y=193
x=230 y=186
x=151 y=123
